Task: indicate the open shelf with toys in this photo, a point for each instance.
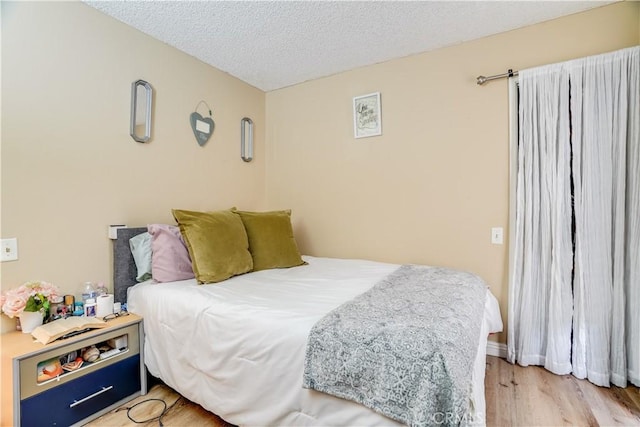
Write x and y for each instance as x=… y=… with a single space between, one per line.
x=34 y=379
x=81 y=359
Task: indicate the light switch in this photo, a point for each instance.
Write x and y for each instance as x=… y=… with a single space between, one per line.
x=9 y=248
x=496 y=235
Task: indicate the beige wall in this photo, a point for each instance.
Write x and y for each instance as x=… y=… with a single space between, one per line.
x=69 y=166
x=427 y=191
x=432 y=186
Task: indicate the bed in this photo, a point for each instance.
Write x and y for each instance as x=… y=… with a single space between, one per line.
x=238 y=347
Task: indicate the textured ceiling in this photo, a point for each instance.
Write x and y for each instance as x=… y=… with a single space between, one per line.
x=273 y=44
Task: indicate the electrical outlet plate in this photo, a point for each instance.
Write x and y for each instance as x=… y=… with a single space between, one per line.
x=9 y=249
x=496 y=235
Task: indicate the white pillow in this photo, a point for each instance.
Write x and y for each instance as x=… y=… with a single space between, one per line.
x=141 y=250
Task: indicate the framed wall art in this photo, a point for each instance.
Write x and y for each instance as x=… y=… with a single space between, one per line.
x=367 y=115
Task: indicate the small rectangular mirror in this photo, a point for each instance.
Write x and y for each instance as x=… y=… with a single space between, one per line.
x=141 y=102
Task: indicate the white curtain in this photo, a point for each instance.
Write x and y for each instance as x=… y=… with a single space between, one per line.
x=574 y=300
x=540 y=306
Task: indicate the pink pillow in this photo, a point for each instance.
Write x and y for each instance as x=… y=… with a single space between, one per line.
x=170 y=259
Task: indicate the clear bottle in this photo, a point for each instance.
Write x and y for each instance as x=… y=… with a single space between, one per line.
x=88 y=292
x=101 y=289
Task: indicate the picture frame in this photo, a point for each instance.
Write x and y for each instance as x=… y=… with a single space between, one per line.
x=367 y=115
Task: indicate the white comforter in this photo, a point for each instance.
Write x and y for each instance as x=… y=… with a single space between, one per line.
x=237 y=347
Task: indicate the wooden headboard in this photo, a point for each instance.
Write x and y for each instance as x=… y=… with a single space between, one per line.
x=124 y=267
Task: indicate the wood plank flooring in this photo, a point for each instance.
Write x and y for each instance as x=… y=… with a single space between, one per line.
x=181 y=412
x=516 y=396
x=532 y=396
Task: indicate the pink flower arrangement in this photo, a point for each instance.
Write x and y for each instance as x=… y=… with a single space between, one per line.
x=30 y=296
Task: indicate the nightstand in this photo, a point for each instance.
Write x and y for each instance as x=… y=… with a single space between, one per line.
x=31 y=398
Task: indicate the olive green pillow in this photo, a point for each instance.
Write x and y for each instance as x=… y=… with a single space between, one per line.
x=271 y=240
x=217 y=243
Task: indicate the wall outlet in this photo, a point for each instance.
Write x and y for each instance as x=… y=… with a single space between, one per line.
x=496 y=235
x=9 y=249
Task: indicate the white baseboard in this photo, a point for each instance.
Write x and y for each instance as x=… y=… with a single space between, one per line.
x=496 y=349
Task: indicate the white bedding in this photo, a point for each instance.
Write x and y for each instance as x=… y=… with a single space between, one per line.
x=237 y=347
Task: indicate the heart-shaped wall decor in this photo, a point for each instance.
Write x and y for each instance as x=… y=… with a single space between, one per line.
x=202 y=127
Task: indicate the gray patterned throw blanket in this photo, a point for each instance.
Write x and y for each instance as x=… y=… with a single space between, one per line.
x=405 y=348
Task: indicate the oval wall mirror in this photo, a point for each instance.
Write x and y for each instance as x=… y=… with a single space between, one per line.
x=141 y=102
x=246 y=139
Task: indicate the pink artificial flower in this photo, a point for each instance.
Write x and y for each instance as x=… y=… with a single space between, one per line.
x=23 y=292
x=48 y=290
x=14 y=301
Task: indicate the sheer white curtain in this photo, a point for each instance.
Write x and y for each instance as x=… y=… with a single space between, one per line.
x=540 y=305
x=574 y=306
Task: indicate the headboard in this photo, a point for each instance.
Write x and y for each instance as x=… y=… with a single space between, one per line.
x=124 y=267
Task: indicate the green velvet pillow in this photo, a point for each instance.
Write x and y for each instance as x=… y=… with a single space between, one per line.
x=271 y=240
x=217 y=243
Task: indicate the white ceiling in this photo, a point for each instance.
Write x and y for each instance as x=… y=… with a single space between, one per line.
x=274 y=44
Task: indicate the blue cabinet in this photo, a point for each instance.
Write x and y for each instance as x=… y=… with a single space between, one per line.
x=81 y=398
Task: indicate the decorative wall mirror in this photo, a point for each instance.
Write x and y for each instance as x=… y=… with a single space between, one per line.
x=141 y=102
x=246 y=139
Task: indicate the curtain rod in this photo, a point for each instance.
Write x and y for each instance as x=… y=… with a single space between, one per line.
x=482 y=79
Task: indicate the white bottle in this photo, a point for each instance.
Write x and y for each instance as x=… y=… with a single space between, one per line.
x=90 y=308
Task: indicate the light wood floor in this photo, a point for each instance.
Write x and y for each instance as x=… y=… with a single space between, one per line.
x=516 y=396
x=181 y=412
x=532 y=396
